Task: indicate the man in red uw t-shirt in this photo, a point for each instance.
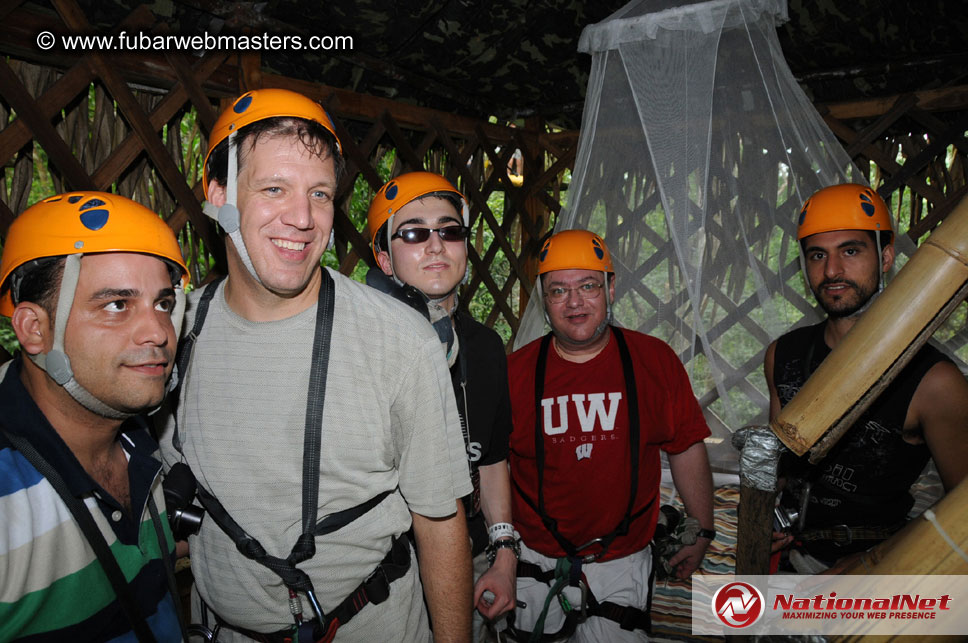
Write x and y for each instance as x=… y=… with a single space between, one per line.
x=584 y=455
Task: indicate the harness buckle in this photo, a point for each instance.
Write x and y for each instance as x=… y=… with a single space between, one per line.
x=842 y=535
x=377 y=585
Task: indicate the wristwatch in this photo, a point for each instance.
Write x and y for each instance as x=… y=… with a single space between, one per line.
x=506 y=543
x=706 y=533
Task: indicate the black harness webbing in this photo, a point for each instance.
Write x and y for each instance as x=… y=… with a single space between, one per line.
x=375 y=589
x=632 y=401
x=628 y=617
x=305 y=545
x=96 y=539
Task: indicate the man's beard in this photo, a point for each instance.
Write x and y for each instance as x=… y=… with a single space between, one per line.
x=850 y=302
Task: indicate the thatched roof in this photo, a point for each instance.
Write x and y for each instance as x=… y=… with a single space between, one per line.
x=517 y=58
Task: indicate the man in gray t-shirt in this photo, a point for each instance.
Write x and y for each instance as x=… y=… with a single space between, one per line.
x=391 y=449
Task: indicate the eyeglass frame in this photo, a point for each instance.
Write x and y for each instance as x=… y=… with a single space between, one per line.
x=592 y=290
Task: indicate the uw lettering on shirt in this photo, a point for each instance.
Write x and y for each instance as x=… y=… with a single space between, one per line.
x=591 y=410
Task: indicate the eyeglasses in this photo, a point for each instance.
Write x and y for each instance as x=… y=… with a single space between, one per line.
x=590 y=290
x=419 y=235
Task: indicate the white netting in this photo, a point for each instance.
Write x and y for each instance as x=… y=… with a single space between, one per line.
x=697 y=149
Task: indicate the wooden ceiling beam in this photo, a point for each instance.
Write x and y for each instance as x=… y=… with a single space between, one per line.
x=932 y=100
x=371 y=108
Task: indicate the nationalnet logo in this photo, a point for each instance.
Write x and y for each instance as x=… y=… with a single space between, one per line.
x=738 y=604
x=830 y=605
x=898 y=606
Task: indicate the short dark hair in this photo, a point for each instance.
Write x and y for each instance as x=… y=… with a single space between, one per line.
x=317 y=139
x=38 y=282
x=450 y=197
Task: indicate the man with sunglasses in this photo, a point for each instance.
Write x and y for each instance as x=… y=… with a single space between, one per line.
x=418 y=224
x=593 y=405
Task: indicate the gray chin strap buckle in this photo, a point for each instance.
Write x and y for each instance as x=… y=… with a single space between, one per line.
x=228 y=217
x=58 y=366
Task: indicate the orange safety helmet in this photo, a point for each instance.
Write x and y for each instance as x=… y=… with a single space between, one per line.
x=844 y=207
x=400 y=191
x=574 y=250
x=83 y=223
x=259 y=105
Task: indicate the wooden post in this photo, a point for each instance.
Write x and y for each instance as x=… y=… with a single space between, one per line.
x=754 y=530
x=534 y=214
x=251 y=71
x=759 y=460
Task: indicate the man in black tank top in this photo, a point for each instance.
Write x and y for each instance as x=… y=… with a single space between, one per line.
x=859 y=494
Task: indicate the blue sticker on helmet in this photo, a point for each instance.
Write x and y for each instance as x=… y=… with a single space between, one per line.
x=94 y=219
x=242 y=104
x=599 y=252
x=803 y=215
x=74 y=198
x=868 y=208
x=92 y=203
x=391 y=192
x=543 y=254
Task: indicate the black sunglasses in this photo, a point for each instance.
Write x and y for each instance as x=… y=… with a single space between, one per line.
x=419 y=235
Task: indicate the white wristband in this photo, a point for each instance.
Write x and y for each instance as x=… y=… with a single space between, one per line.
x=500 y=530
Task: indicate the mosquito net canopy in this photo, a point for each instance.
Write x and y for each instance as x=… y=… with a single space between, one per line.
x=696 y=151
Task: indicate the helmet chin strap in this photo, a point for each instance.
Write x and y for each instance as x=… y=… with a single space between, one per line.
x=440 y=318
x=227 y=215
x=56 y=363
x=393 y=273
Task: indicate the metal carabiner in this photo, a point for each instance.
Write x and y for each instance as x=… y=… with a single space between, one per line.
x=314 y=603
x=591 y=558
x=583 y=586
x=588 y=544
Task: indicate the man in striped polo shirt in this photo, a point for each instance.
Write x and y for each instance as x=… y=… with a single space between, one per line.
x=92 y=283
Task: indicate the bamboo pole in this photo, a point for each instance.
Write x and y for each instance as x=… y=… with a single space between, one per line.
x=920 y=548
x=882 y=341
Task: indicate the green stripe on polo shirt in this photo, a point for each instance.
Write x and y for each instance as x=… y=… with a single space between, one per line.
x=69 y=600
x=77 y=596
